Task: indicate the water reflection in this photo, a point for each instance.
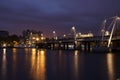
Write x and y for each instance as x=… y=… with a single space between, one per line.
x=33 y=64
x=60 y=59
x=26 y=50
x=4 y=51
x=4 y=64
x=110 y=65
x=38 y=64
x=76 y=64
x=14 y=50
x=60 y=66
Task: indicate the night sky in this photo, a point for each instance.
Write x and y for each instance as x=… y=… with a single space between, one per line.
x=58 y=15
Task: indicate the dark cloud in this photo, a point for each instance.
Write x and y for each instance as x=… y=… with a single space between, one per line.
x=59 y=15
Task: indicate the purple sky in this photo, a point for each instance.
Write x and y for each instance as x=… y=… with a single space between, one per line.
x=58 y=15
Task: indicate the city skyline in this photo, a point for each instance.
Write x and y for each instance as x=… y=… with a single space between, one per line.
x=55 y=15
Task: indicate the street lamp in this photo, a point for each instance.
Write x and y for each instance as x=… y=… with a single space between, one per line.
x=64 y=36
x=54 y=35
x=73 y=28
x=74 y=31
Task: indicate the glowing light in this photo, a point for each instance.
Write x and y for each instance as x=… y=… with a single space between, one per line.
x=73 y=28
x=33 y=51
x=42 y=38
x=54 y=35
x=14 y=50
x=56 y=38
x=86 y=35
x=41 y=34
x=64 y=35
x=38 y=52
x=42 y=52
x=107 y=33
x=4 y=51
x=118 y=18
x=53 y=32
x=33 y=38
x=4 y=45
x=37 y=39
x=76 y=52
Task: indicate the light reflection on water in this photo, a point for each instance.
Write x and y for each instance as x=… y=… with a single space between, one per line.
x=4 y=64
x=14 y=61
x=38 y=64
x=110 y=65
x=76 y=62
x=4 y=51
x=26 y=50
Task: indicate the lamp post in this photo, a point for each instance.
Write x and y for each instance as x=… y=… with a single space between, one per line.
x=54 y=35
x=75 y=41
x=74 y=32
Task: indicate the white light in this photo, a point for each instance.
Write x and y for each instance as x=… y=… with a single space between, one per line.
x=4 y=51
x=53 y=32
x=64 y=35
x=41 y=34
x=107 y=33
x=73 y=28
x=42 y=38
x=37 y=39
x=33 y=37
x=4 y=45
x=118 y=18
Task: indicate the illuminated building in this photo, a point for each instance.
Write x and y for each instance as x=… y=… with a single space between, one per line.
x=32 y=37
x=3 y=36
x=80 y=35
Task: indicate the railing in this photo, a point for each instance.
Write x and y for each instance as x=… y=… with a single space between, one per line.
x=97 y=38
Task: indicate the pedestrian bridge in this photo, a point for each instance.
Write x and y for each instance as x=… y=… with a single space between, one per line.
x=79 y=43
x=96 y=38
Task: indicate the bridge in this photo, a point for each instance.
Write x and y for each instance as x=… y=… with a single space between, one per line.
x=84 y=44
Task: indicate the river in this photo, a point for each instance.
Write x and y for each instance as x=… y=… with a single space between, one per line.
x=39 y=64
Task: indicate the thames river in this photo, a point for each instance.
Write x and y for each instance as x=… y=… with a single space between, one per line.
x=39 y=64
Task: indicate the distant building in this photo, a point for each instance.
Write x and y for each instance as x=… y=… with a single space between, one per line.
x=31 y=37
x=80 y=35
x=4 y=33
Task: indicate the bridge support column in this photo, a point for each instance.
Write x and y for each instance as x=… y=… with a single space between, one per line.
x=52 y=46
x=59 y=46
x=63 y=45
x=67 y=45
x=89 y=46
x=85 y=46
